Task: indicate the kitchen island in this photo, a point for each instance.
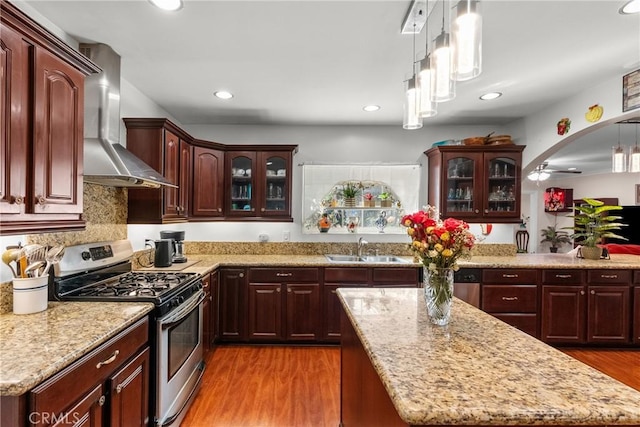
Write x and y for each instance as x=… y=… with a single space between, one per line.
x=398 y=369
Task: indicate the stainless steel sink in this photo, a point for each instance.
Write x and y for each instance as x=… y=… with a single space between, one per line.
x=364 y=259
x=384 y=258
x=344 y=258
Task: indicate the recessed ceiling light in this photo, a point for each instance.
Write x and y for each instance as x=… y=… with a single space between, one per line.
x=491 y=95
x=171 y=5
x=572 y=169
x=632 y=6
x=371 y=108
x=223 y=94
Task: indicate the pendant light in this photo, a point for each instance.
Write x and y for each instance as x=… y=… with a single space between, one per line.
x=428 y=107
x=634 y=156
x=412 y=119
x=619 y=158
x=441 y=63
x=466 y=31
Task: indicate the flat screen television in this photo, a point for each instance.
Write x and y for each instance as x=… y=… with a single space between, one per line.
x=630 y=216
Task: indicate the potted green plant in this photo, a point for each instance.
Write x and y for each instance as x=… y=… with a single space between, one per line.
x=349 y=192
x=385 y=199
x=592 y=224
x=554 y=237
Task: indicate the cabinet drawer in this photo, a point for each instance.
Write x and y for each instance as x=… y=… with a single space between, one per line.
x=509 y=299
x=396 y=275
x=609 y=276
x=525 y=322
x=345 y=275
x=285 y=274
x=511 y=276
x=563 y=277
x=53 y=395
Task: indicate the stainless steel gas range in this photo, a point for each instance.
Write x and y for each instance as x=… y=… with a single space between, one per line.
x=103 y=272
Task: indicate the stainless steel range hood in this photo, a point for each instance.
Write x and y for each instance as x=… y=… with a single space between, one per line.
x=106 y=162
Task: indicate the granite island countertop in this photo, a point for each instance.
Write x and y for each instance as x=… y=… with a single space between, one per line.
x=36 y=346
x=477 y=370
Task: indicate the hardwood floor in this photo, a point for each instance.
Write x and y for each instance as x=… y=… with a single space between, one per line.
x=623 y=365
x=283 y=386
x=269 y=386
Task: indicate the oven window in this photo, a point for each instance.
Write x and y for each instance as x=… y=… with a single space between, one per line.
x=183 y=339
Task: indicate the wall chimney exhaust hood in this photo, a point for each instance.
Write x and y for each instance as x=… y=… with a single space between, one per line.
x=106 y=162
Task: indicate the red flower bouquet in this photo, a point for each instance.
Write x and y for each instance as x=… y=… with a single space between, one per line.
x=438 y=243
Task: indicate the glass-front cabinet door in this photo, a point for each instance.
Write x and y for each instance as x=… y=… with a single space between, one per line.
x=502 y=186
x=241 y=174
x=275 y=184
x=462 y=179
x=276 y=179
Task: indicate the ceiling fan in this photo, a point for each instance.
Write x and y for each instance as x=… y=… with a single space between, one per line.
x=541 y=172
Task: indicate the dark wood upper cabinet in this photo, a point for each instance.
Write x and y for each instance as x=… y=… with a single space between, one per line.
x=476 y=183
x=259 y=182
x=166 y=148
x=208 y=183
x=41 y=143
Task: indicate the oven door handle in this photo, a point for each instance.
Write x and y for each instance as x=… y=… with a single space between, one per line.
x=183 y=311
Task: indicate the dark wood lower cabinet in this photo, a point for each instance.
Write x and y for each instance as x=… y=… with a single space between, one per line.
x=563 y=314
x=284 y=312
x=636 y=315
x=233 y=306
x=608 y=314
x=265 y=312
x=331 y=309
x=130 y=393
x=109 y=386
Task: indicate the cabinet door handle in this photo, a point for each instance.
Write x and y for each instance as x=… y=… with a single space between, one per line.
x=510 y=276
x=102 y=400
x=241 y=275
x=119 y=389
x=609 y=276
x=486 y=211
x=109 y=360
x=289 y=290
x=219 y=209
x=262 y=209
x=593 y=292
x=17 y=200
x=509 y=298
x=563 y=276
x=477 y=211
x=253 y=209
x=284 y=274
x=40 y=200
x=278 y=290
x=581 y=292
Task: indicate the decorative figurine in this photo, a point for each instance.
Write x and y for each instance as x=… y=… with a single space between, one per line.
x=381 y=222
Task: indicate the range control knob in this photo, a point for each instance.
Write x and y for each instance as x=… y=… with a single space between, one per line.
x=85 y=255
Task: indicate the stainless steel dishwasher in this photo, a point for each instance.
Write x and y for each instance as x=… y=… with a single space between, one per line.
x=466 y=285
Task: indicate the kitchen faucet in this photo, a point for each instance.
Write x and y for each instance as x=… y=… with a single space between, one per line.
x=361 y=243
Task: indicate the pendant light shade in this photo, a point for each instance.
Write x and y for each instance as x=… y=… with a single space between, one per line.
x=412 y=119
x=444 y=85
x=428 y=107
x=466 y=30
x=619 y=157
x=634 y=156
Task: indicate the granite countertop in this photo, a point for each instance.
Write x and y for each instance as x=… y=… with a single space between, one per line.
x=477 y=370
x=36 y=346
x=207 y=263
x=550 y=260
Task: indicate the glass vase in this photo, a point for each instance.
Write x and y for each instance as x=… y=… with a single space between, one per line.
x=438 y=293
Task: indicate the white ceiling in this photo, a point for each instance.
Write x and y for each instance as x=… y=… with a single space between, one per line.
x=320 y=62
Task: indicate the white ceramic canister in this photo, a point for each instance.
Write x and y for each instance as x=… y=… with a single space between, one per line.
x=30 y=294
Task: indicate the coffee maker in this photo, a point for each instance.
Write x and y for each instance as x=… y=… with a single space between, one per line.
x=178 y=244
